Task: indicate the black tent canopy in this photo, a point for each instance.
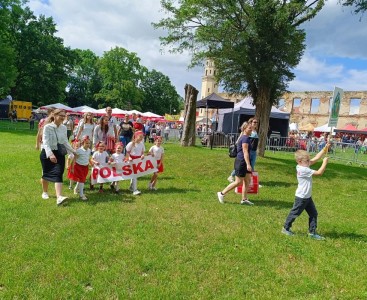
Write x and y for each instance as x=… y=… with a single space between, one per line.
x=214 y=101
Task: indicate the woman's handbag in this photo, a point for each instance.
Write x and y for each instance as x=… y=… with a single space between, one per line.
x=60 y=147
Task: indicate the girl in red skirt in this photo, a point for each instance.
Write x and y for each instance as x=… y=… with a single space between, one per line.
x=134 y=150
x=78 y=170
x=156 y=151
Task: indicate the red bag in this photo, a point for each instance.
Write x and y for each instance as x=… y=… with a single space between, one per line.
x=254 y=185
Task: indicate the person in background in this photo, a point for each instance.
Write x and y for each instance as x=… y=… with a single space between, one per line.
x=53 y=162
x=31 y=121
x=126 y=131
x=138 y=124
x=146 y=131
x=69 y=123
x=112 y=136
x=104 y=133
x=166 y=132
x=85 y=127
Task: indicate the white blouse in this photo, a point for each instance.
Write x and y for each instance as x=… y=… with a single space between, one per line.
x=52 y=135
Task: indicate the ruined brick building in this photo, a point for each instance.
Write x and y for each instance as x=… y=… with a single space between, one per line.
x=304 y=107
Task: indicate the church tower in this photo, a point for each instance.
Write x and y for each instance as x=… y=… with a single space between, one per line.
x=208 y=82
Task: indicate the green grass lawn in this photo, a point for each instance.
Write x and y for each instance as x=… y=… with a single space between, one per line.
x=179 y=242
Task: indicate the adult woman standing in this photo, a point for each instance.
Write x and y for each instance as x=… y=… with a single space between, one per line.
x=104 y=133
x=242 y=166
x=53 y=162
x=254 y=138
x=86 y=127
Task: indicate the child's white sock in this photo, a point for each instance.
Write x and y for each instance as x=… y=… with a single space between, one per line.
x=81 y=189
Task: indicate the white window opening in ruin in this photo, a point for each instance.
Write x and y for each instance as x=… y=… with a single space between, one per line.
x=281 y=104
x=354 y=106
x=296 y=105
x=315 y=105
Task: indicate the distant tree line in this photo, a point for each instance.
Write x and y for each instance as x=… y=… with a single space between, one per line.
x=36 y=66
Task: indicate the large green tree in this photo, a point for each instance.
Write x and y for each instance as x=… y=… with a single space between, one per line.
x=360 y=6
x=84 y=81
x=42 y=60
x=255 y=44
x=121 y=74
x=8 y=70
x=160 y=96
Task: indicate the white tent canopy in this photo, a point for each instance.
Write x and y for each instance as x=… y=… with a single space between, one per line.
x=323 y=128
x=57 y=105
x=84 y=109
x=149 y=114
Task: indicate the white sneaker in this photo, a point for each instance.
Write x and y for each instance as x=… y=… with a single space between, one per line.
x=220 y=197
x=230 y=179
x=260 y=186
x=136 y=193
x=246 y=202
x=76 y=192
x=45 y=196
x=60 y=200
x=83 y=197
x=150 y=185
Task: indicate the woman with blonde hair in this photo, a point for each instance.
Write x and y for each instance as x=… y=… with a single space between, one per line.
x=86 y=127
x=242 y=166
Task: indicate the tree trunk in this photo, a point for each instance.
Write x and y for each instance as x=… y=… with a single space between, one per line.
x=188 y=134
x=263 y=110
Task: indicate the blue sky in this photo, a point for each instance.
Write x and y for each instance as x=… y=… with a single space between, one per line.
x=335 y=55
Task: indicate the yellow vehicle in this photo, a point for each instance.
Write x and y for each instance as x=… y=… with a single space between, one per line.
x=22 y=108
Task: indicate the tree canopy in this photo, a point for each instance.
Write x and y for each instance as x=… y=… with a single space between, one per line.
x=36 y=66
x=254 y=44
x=360 y=6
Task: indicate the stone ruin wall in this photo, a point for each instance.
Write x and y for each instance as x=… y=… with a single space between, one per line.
x=320 y=118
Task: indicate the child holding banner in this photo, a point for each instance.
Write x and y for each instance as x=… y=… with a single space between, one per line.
x=100 y=158
x=117 y=158
x=134 y=150
x=157 y=152
x=303 y=200
x=78 y=171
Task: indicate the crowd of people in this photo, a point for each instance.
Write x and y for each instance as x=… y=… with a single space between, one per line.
x=92 y=142
x=314 y=142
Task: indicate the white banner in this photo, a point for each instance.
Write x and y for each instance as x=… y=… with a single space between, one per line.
x=127 y=170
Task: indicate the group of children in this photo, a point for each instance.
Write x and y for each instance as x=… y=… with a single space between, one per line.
x=78 y=164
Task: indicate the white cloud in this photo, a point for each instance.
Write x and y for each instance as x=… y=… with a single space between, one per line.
x=100 y=25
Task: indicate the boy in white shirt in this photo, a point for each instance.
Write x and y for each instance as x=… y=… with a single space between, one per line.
x=303 y=200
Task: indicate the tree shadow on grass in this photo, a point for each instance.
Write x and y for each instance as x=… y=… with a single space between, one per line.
x=276 y=183
x=173 y=190
x=345 y=235
x=268 y=203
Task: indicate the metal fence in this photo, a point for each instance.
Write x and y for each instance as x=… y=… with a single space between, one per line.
x=348 y=152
